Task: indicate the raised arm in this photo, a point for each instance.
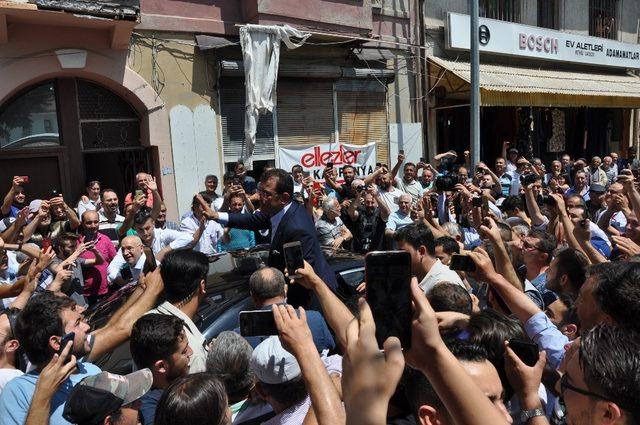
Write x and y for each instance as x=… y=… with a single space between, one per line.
x=150 y=184
x=503 y=263
x=8 y=198
x=297 y=339
x=537 y=219
x=335 y=312
x=114 y=334
x=462 y=398
x=396 y=168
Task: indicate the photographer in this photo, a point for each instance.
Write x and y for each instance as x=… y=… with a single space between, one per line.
x=368 y=214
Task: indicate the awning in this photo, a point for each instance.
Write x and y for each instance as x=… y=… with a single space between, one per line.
x=208 y=42
x=519 y=86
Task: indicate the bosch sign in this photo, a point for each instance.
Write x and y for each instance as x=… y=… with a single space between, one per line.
x=539 y=43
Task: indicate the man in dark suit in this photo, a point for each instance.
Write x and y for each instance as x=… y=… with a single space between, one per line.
x=288 y=221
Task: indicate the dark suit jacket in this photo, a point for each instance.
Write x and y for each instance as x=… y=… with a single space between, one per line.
x=296 y=225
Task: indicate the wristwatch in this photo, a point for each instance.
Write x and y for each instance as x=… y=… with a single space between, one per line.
x=526 y=415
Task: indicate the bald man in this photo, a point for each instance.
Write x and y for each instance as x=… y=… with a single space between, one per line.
x=267 y=286
x=128 y=263
x=96 y=284
x=141 y=184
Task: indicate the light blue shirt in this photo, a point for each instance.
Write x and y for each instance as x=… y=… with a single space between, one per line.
x=544 y=333
x=398 y=220
x=17 y=394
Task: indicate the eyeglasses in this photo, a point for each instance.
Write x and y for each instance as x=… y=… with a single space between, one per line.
x=565 y=385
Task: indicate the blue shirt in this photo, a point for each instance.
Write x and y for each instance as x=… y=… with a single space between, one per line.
x=239 y=239
x=148 y=405
x=16 y=396
x=544 y=333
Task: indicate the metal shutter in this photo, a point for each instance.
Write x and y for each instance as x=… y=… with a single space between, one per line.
x=305 y=112
x=232 y=107
x=362 y=115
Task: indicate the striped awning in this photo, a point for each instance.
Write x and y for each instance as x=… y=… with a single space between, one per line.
x=519 y=86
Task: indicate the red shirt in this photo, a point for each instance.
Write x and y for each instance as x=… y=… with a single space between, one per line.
x=129 y=199
x=95 y=277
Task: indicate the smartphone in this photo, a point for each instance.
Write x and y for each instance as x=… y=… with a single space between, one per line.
x=91 y=237
x=64 y=341
x=293 y=257
x=25 y=179
x=139 y=193
x=401 y=152
x=485 y=206
x=257 y=323
x=462 y=263
x=476 y=202
x=54 y=193
x=46 y=243
x=149 y=262
x=125 y=273
x=329 y=164
x=423 y=160
x=525 y=350
x=388 y=277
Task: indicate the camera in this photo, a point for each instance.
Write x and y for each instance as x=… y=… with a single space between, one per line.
x=529 y=178
x=446 y=182
x=360 y=188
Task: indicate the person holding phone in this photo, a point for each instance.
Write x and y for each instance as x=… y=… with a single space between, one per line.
x=96 y=284
x=15 y=198
x=288 y=221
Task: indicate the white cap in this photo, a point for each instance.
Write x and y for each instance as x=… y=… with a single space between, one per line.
x=272 y=364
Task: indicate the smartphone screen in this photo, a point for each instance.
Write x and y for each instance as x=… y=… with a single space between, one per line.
x=462 y=263
x=485 y=206
x=125 y=273
x=293 y=257
x=257 y=323
x=388 y=277
x=525 y=350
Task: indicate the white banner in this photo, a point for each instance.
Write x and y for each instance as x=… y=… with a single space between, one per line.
x=511 y=39
x=314 y=158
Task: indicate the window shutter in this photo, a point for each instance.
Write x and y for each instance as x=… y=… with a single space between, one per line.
x=362 y=115
x=232 y=107
x=305 y=112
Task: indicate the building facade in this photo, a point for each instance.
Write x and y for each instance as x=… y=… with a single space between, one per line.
x=555 y=76
x=158 y=86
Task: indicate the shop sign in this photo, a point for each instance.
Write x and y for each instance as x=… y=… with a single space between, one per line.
x=507 y=38
x=314 y=159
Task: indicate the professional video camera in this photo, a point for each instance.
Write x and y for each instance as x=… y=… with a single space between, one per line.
x=449 y=179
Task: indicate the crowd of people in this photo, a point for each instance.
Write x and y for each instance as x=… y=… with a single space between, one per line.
x=540 y=326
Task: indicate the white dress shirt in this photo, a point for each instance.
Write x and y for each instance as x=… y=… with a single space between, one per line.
x=223 y=219
x=118 y=262
x=208 y=242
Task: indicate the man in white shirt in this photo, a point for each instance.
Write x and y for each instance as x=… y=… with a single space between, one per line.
x=400 y=218
x=128 y=263
x=418 y=241
x=195 y=223
x=389 y=194
x=161 y=241
x=408 y=182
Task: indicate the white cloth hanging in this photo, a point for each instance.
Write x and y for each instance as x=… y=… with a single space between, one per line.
x=261 y=53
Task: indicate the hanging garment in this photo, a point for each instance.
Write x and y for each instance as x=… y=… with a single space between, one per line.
x=261 y=53
x=557 y=141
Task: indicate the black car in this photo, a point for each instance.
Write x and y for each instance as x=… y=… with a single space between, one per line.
x=227 y=296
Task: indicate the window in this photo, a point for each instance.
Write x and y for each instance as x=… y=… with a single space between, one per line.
x=31 y=120
x=503 y=10
x=603 y=18
x=548 y=14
